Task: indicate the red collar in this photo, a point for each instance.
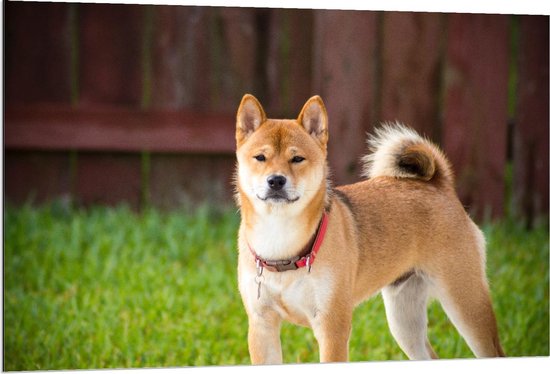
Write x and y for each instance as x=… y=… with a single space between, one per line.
x=297 y=261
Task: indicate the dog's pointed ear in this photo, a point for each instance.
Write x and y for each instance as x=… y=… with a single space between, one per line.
x=314 y=119
x=250 y=116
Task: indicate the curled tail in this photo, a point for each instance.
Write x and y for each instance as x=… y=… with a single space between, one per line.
x=398 y=151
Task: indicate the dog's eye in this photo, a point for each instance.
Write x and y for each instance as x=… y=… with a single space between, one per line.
x=297 y=159
x=260 y=158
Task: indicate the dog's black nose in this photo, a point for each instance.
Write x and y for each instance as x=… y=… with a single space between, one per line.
x=276 y=182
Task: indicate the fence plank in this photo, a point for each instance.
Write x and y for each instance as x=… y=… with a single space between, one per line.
x=104 y=178
x=411 y=70
x=39 y=176
x=235 y=50
x=289 y=61
x=180 y=67
x=38 y=52
x=344 y=74
x=188 y=180
x=531 y=135
x=475 y=108
x=111 y=54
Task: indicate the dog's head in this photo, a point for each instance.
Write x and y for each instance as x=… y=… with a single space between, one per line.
x=281 y=163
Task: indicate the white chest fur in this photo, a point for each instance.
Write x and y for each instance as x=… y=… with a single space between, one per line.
x=277 y=237
x=296 y=295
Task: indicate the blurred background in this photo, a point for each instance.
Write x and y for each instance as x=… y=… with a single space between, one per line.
x=134 y=104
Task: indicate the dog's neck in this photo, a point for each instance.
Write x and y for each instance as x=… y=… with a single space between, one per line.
x=278 y=233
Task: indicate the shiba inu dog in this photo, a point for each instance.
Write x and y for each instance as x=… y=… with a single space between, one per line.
x=309 y=253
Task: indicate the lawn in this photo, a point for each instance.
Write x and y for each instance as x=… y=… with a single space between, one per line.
x=110 y=288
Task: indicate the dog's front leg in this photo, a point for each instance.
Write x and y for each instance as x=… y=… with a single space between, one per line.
x=264 y=341
x=332 y=333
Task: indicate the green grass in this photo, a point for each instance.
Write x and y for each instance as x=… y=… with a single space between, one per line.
x=109 y=288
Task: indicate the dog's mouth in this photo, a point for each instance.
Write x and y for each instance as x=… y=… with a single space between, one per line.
x=278 y=197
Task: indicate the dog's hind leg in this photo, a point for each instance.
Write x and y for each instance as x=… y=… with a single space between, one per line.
x=461 y=287
x=405 y=302
x=466 y=300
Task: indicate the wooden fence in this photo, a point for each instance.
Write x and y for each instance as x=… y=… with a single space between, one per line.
x=110 y=103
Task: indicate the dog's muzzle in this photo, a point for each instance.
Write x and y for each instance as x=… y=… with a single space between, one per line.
x=276 y=190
